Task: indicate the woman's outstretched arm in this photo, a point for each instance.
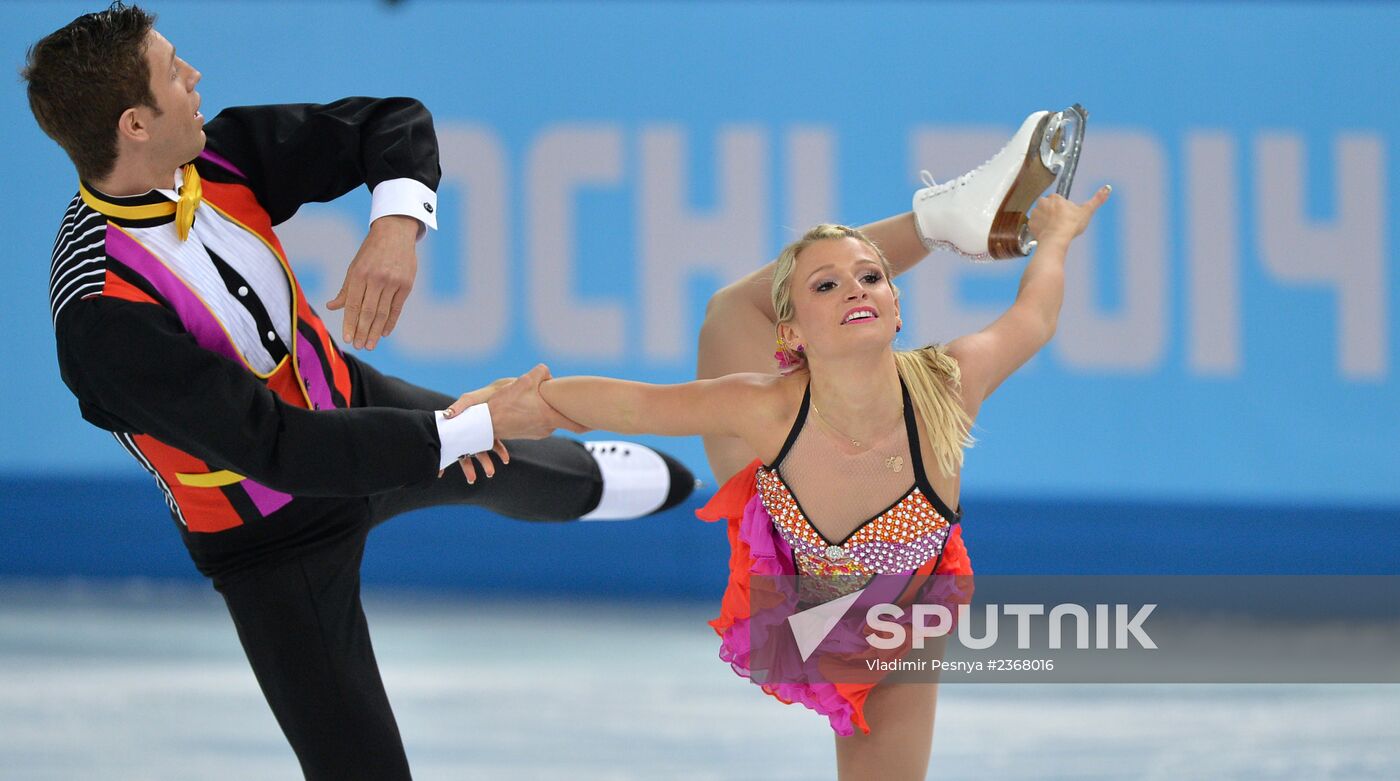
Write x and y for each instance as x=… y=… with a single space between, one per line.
x=726 y=406
x=988 y=357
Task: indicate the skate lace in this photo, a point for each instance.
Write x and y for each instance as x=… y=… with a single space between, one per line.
x=930 y=182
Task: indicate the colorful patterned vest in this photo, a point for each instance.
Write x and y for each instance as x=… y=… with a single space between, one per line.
x=313 y=374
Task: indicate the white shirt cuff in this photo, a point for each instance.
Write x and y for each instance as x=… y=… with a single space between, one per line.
x=408 y=197
x=467 y=433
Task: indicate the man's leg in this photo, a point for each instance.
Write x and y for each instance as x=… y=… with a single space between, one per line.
x=551 y=479
x=304 y=631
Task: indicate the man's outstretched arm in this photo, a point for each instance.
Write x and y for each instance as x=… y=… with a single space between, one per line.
x=134 y=369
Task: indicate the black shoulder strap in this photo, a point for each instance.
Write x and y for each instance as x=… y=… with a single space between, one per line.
x=911 y=430
x=916 y=454
x=796 y=426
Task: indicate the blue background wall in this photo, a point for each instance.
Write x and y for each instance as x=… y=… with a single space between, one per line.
x=1222 y=393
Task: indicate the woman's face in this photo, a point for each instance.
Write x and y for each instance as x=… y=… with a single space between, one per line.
x=842 y=302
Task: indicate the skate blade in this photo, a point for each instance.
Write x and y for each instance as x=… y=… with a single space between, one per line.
x=1062 y=154
x=1051 y=159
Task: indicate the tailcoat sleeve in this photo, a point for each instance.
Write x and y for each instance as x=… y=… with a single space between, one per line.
x=301 y=153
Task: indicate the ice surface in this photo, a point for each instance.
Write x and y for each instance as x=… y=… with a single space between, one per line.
x=147 y=681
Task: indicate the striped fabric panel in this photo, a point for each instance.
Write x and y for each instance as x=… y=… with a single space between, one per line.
x=79 y=257
x=68 y=216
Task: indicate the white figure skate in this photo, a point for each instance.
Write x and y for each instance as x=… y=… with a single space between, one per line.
x=637 y=481
x=982 y=214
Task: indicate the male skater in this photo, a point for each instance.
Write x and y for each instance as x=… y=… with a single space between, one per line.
x=181 y=329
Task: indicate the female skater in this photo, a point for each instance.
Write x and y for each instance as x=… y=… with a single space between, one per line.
x=845 y=466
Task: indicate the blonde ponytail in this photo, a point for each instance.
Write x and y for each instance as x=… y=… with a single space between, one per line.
x=935 y=382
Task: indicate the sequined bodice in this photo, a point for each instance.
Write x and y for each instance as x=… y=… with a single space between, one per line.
x=909 y=533
x=901 y=539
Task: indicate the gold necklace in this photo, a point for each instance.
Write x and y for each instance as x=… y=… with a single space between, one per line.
x=829 y=425
x=853 y=440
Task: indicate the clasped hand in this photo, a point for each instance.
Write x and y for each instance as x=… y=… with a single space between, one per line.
x=517 y=412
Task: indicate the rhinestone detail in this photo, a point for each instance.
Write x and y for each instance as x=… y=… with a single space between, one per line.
x=902 y=538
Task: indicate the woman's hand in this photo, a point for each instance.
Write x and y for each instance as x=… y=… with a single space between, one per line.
x=1057 y=219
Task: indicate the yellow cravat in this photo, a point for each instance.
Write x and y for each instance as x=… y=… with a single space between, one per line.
x=190 y=192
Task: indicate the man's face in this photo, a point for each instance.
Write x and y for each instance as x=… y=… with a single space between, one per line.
x=177 y=131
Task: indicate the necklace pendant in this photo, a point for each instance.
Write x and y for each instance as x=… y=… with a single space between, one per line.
x=894 y=463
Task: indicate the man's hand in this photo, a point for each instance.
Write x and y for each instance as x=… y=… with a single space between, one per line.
x=478 y=396
x=517 y=411
x=470 y=463
x=514 y=403
x=378 y=281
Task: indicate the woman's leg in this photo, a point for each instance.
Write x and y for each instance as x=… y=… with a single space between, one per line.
x=738 y=335
x=898 y=237
x=900 y=716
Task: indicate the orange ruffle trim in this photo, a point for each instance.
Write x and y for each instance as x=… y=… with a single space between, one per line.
x=728 y=504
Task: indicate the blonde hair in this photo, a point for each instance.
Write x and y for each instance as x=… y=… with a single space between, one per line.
x=931 y=375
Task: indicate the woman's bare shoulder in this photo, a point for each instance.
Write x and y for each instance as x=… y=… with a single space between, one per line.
x=767 y=396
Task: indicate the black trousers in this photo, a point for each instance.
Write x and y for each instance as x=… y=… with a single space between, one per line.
x=300 y=620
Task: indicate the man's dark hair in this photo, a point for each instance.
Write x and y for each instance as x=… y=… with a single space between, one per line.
x=83 y=76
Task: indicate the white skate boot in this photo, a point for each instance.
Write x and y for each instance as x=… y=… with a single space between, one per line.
x=637 y=481
x=982 y=214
